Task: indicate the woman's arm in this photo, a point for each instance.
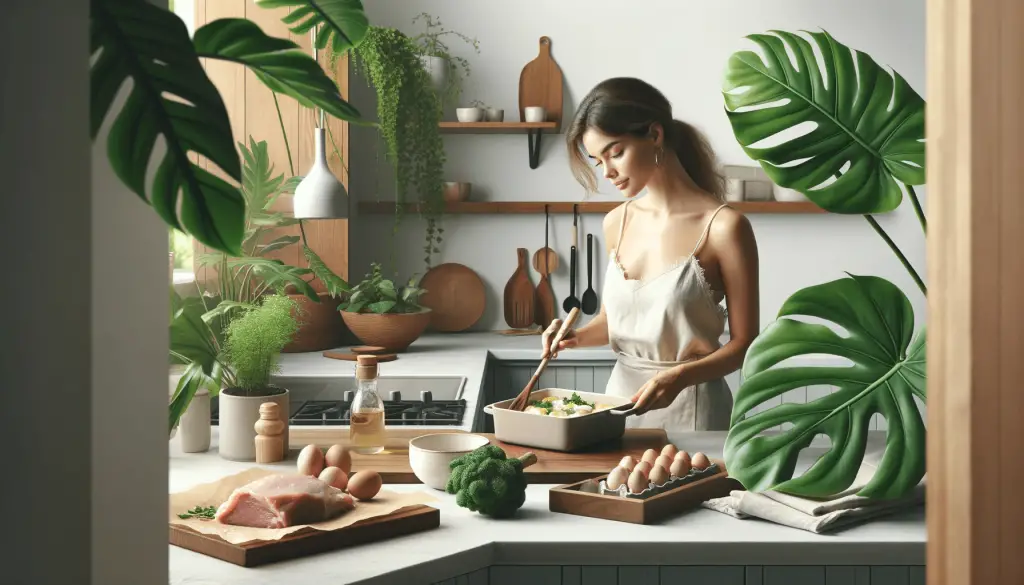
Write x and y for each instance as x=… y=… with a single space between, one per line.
x=736 y=250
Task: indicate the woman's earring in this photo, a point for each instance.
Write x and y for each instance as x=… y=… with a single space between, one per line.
x=657 y=158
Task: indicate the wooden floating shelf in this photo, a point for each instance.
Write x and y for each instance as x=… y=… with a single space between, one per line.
x=491 y=207
x=494 y=127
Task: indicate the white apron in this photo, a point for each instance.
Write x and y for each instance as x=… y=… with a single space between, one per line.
x=658 y=323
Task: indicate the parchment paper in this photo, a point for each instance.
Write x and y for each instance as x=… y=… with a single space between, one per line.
x=215 y=493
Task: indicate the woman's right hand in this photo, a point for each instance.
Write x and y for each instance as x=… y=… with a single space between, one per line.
x=569 y=340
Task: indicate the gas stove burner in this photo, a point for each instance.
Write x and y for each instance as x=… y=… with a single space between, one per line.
x=397 y=411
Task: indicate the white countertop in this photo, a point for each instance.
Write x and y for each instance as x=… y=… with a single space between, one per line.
x=467 y=541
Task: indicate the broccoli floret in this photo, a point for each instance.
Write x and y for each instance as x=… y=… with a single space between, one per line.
x=486 y=481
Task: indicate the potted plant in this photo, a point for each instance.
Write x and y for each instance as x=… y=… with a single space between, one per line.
x=252 y=348
x=442 y=66
x=409 y=115
x=380 y=314
x=867 y=141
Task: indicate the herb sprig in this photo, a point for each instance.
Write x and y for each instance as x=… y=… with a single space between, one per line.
x=203 y=513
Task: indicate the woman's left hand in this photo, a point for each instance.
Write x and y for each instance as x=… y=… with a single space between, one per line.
x=658 y=392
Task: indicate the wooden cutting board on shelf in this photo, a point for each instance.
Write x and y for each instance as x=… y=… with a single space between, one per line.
x=540 y=84
x=551 y=467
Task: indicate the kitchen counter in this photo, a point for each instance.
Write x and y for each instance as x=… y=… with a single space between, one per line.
x=437 y=354
x=468 y=542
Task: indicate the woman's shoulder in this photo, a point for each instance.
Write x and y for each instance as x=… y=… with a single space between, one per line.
x=612 y=222
x=729 y=225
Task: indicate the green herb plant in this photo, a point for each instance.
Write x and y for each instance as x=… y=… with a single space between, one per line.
x=201 y=512
x=486 y=481
x=172 y=97
x=866 y=148
x=429 y=43
x=255 y=340
x=409 y=115
x=376 y=294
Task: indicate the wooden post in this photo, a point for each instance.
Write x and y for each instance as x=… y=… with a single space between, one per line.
x=975 y=134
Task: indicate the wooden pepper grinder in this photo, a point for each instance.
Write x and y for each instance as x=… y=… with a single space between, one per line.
x=269 y=434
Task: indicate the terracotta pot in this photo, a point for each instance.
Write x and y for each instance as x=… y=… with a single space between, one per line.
x=320 y=328
x=393 y=331
x=237 y=416
x=455 y=192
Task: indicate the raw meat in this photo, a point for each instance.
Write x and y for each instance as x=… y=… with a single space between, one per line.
x=280 y=501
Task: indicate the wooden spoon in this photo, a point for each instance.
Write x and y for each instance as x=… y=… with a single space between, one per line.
x=544 y=299
x=523 y=399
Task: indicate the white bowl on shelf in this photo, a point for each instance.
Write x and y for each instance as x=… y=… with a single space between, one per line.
x=469 y=114
x=431 y=455
x=784 y=194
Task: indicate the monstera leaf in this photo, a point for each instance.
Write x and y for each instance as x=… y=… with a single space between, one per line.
x=279 y=63
x=887 y=370
x=171 y=96
x=343 y=22
x=868 y=124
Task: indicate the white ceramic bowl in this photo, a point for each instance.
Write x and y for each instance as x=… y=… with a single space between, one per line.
x=430 y=455
x=534 y=114
x=469 y=114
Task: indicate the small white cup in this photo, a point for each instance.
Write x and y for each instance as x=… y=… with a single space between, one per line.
x=495 y=114
x=534 y=114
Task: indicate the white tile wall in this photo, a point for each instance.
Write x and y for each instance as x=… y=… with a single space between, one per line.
x=692 y=575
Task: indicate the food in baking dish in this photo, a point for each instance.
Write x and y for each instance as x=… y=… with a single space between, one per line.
x=565 y=407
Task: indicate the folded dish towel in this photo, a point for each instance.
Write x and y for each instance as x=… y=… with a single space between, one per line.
x=813 y=514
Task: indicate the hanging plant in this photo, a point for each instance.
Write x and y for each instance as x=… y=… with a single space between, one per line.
x=409 y=114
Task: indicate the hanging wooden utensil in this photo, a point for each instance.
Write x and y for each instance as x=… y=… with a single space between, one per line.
x=519 y=295
x=523 y=399
x=540 y=84
x=544 y=300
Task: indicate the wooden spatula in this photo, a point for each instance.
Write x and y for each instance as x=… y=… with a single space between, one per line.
x=523 y=399
x=544 y=300
x=519 y=295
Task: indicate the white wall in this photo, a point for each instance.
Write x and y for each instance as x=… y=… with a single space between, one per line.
x=681 y=48
x=84 y=325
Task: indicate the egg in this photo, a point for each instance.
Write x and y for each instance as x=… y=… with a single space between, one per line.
x=335 y=476
x=365 y=484
x=679 y=468
x=643 y=467
x=628 y=462
x=669 y=450
x=339 y=456
x=617 y=477
x=311 y=461
x=664 y=461
x=659 y=475
x=700 y=461
x=637 y=482
x=650 y=456
x=682 y=456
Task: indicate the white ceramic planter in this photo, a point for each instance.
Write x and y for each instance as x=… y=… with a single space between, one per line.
x=237 y=416
x=437 y=68
x=194 y=424
x=495 y=115
x=469 y=114
x=534 y=114
x=784 y=194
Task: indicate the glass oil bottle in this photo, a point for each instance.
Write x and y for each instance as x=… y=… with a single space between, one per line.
x=366 y=420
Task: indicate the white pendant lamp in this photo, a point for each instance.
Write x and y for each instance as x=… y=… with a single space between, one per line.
x=320 y=195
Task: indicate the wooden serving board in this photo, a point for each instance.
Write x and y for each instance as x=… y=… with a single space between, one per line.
x=551 y=467
x=307 y=542
x=540 y=84
x=568 y=499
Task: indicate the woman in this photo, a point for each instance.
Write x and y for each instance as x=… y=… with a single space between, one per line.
x=674 y=255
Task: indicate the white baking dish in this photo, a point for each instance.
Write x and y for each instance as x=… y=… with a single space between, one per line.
x=560 y=433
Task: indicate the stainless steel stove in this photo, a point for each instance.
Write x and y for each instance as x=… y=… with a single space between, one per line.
x=408 y=400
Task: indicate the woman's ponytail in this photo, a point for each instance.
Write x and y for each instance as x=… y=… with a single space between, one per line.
x=697 y=157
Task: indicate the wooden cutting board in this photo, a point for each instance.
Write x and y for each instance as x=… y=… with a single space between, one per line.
x=551 y=467
x=455 y=296
x=540 y=84
x=306 y=542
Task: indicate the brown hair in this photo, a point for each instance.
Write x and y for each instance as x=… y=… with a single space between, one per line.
x=626 y=105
